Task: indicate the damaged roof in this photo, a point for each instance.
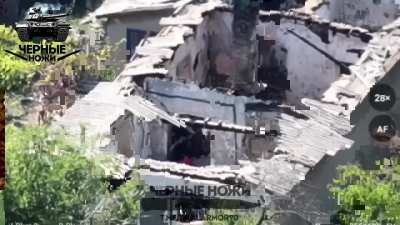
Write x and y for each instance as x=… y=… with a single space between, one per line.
x=380 y=56
x=112 y=7
x=302 y=146
x=103 y=105
x=303 y=143
x=310 y=20
x=156 y=51
x=304 y=140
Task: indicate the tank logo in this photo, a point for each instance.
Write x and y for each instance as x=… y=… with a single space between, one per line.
x=37 y=27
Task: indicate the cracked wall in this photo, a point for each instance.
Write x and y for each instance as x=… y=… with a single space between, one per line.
x=312 y=64
x=205 y=58
x=135 y=136
x=372 y=14
x=190 y=61
x=187 y=100
x=306 y=136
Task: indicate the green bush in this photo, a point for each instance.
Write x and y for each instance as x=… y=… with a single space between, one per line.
x=120 y=207
x=50 y=181
x=14 y=73
x=378 y=191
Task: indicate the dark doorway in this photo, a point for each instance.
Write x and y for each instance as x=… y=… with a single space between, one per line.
x=276 y=4
x=189 y=147
x=133 y=38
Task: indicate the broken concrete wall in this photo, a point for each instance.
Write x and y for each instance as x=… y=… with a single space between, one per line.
x=122 y=131
x=233 y=52
x=310 y=72
x=206 y=57
x=371 y=14
x=382 y=54
x=260 y=147
x=155 y=141
x=190 y=62
x=224 y=148
x=183 y=99
x=192 y=47
x=378 y=65
x=188 y=99
x=220 y=35
x=135 y=136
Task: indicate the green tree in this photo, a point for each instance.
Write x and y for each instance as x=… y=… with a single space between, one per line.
x=47 y=180
x=368 y=196
x=50 y=181
x=14 y=73
x=120 y=207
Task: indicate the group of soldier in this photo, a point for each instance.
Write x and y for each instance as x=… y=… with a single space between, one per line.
x=56 y=96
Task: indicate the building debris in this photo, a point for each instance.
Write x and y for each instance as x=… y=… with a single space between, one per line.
x=110 y=7
x=369 y=14
x=380 y=56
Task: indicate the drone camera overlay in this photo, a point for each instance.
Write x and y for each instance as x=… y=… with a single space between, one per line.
x=200 y=112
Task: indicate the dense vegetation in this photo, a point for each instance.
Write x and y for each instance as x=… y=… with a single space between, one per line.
x=50 y=181
x=367 y=197
x=14 y=73
x=17 y=74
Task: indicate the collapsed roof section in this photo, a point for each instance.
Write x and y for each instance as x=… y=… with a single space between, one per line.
x=183 y=52
x=300 y=48
x=316 y=24
x=192 y=50
x=370 y=14
x=292 y=160
x=381 y=55
x=183 y=42
x=111 y=7
x=102 y=107
x=304 y=134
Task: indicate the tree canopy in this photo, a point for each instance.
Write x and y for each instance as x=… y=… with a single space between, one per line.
x=50 y=181
x=14 y=73
x=368 y=196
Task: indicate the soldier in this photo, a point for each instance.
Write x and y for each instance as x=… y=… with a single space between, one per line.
x=44 y=103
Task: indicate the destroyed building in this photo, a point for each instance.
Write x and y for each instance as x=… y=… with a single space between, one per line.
x=132 y=21
x=371 y=14
x=182 y=112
